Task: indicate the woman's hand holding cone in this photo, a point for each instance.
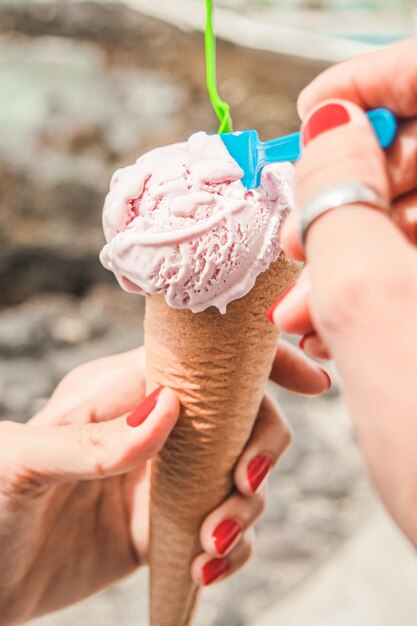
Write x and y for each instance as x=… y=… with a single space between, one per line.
x=227 y=534
x=74 y=482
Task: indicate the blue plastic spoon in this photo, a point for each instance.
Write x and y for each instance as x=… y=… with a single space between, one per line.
x=252 y=154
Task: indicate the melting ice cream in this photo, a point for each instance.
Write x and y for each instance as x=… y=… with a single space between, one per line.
x=179 y=222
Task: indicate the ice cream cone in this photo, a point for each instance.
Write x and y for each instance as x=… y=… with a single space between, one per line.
x=218 y=365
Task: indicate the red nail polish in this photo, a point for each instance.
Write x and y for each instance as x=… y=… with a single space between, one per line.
x=329 y=380
x=304 y=339
x=145 y=408
x=271 y=310
x=327 y=117
x=226 y=534
x=213 y=569
x=258 y=469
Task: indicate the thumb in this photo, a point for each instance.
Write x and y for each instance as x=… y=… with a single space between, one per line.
x=98 y=450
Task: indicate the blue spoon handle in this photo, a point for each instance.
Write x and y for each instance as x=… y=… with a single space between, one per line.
x=289 y=148
x=385 y=126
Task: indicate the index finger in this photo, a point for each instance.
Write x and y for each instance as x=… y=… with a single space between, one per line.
x=386 y=77
x=294 y=371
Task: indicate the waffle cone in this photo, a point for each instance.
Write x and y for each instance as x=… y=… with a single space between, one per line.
x=218 y=366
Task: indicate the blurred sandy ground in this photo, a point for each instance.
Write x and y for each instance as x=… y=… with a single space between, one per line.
x=85 y=89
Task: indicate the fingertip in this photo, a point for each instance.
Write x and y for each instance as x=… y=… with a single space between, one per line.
x=312 y=345
x=223 y=528
x=144 y=409
x=214 y=571
x=291 y=313
x=302 y=103
x=164 y=416
x=196 y=570
x=281 y=297
x=259 y=467
x=241 y=474
x=212 y=537
x=206 y=534
x=269 y=440
x=242 y=483
x=206 y=570
x=327 y=378
x=305 y=338
x=319 y=382
x=162 y=405
x=148 y=433
x=168 y=403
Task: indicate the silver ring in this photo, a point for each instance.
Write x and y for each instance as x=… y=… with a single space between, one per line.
x=339 y=195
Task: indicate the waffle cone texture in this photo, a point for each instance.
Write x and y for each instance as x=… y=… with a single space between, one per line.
x=218 y=366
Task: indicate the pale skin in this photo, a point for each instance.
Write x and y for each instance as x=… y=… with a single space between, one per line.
x=357 y=298
x=74 y=488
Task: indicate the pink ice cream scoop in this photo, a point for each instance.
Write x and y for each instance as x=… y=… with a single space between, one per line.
x=179 y=222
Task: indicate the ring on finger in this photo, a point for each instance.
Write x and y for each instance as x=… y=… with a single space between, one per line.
x=350 y=192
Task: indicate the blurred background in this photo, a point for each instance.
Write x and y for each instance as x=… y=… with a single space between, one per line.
x=88 y=86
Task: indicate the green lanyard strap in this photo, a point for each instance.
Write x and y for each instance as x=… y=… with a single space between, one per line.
x=221 y=108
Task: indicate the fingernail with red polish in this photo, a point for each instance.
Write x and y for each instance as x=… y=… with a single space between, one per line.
x=271 y=310
x=226 y=534
x=327 y=117
x=303 y=340
x=145 y=408
x=258 y=469
x=214 y=569
x=329 y=380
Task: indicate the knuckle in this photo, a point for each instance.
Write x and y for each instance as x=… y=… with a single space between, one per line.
x=17 y=477
x=92 y=436
x=91 y=445
x=12 y=458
